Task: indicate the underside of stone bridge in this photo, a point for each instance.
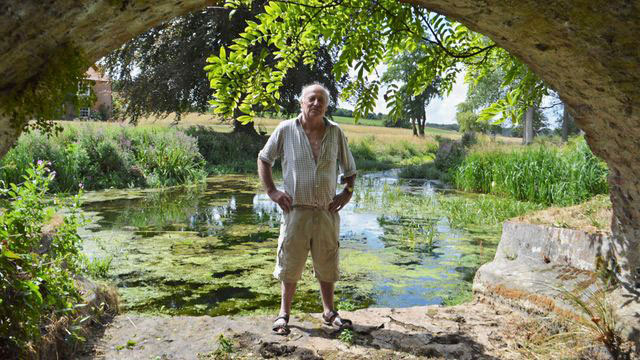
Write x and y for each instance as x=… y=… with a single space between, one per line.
x=587 y=50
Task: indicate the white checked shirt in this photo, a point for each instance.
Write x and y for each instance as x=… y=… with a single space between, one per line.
x=307 y=182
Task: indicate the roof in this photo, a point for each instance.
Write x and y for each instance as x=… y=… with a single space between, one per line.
x=95 y=74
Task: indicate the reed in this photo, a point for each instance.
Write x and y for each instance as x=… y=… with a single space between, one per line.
x=540 y=174
x=463 y=211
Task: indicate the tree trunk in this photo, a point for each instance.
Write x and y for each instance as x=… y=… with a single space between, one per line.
x=246 y=129
x=413 y=125
x=8 y=135
x=422 y=120
x=527 y=135
x=565 y=124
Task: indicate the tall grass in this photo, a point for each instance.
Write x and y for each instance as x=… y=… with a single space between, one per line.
x=99 y=156
x=483 y=209
x=541 y=174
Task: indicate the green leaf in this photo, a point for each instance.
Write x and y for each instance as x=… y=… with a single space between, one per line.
x=10 y=254
x=223 y=53
x=245 y=119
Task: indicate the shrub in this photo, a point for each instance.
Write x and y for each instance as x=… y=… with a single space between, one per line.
x=104 y=155
x=423 y=171
x=227 y=152
x=36 y=263
x=449 y=155
x=169 y=158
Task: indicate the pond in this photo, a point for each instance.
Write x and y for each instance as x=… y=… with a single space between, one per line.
x=210 y=248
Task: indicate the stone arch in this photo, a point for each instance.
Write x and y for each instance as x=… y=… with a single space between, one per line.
x=587 y=50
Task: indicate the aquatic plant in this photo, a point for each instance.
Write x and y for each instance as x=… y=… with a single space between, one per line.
x=463 y=211
x=541 y=174
x=98 y=267
x=419 y=234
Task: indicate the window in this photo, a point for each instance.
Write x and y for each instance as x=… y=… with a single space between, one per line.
x=84 y=89
x=84 y=112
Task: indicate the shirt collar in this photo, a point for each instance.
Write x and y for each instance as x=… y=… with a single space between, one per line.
x=327 y=122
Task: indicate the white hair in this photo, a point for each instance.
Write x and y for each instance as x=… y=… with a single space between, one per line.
x=324 y=89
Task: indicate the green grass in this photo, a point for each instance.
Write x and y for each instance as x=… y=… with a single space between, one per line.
x=347 y=336
x=351 y=121
x=543 y=174
x=99 y=268
x=465 y=211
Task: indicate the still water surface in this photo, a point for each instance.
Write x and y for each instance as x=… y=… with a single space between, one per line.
x=210 y=248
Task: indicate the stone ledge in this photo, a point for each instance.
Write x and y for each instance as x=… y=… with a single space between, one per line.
x=534 y=262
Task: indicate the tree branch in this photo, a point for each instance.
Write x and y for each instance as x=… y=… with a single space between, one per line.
x=444 y=48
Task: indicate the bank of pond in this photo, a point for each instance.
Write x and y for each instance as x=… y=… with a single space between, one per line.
x=101 y=156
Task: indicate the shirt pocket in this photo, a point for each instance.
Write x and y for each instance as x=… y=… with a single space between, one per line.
x=330 y=154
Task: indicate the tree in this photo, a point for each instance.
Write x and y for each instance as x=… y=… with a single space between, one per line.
x=467 y=119
x=568 y=126
x=242 y=78
x=161 y=71
x=414 y=99
x=380 y=31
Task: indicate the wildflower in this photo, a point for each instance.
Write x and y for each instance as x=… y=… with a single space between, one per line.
x=40 y=162
x=81 y=186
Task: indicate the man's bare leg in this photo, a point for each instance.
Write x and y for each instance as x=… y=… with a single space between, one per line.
x=326 y=289
x=287 y=292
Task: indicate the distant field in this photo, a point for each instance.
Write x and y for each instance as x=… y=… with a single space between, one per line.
x=353 y=131
x=350 y=121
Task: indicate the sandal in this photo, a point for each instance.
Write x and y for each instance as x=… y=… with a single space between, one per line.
x=334 y=319
x=279 y=328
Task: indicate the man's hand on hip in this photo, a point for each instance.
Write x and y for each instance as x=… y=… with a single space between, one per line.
x=340 y=200
x=282 y=199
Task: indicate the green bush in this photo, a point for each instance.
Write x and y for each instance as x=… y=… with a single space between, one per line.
x=227 y=152
x=422 y=171
x=168 y=157
x=449 y=155
x=104 y=155
x=541 y=174
x=37 y=264
x=370 y=154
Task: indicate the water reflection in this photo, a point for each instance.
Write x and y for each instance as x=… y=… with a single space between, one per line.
x=210 y=249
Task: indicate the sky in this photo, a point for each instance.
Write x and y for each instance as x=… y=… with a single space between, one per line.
x=439 y=111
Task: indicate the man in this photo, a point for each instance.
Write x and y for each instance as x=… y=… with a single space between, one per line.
x=310 y=147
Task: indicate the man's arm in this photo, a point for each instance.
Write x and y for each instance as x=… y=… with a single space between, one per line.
x=281 y=198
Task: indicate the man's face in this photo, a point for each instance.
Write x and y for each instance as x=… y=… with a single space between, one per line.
x=314 y=102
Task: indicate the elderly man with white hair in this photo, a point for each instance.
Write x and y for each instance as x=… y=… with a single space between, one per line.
x=310 y=148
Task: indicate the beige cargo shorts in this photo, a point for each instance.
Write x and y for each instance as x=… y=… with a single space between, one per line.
x=304 y=229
